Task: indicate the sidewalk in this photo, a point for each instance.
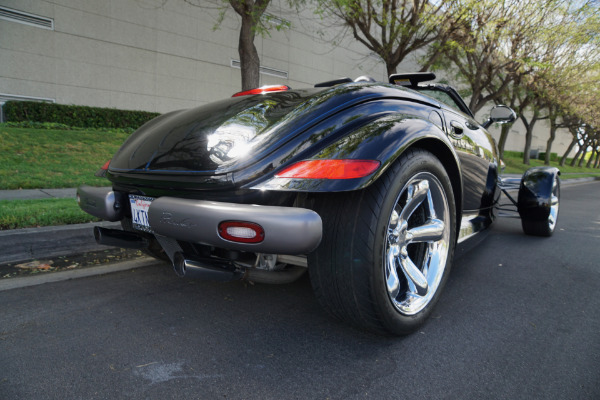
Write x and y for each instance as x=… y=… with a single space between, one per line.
x=35 y=194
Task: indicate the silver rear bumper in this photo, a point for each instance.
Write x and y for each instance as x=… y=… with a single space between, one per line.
x=101 y=202
x=288 y=230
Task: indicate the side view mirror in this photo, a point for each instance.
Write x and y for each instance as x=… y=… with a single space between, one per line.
x=500 y=114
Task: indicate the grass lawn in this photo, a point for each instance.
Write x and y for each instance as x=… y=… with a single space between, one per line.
x=48 y=159
x=514 y=165
x=47 y=212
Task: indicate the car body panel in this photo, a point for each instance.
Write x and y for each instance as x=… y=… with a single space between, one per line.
x=232 y=150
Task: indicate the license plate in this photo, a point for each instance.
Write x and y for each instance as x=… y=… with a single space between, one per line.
x=139 y=212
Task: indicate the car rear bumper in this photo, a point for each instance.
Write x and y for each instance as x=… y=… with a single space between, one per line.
x=101 y=202
x=287 y=230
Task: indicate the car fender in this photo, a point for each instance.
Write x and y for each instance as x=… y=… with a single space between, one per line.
x=383 y=139
x=535 y=193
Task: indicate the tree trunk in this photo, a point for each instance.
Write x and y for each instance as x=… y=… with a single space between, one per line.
x=550 y=140
x=592 y=156
x=249 y=60
x=250 y=11
x=584 y=153
x=597 y=162
x=574 y=160
x=528 y=134
x=503 y=138
x=474 y=105
x=564 y=157
x=391 y=69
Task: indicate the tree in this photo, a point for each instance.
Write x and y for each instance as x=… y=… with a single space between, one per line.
x=574 y=125
x=499 y=46
x=393 y=29
x=569 y=53
x=252 y=14
x=527 y=55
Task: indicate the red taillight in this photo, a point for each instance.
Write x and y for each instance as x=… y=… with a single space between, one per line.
x=330 y=169
x=263 y=89
x=241 y=231
x=101 y=173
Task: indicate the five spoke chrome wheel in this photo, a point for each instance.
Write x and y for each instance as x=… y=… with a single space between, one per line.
x=417 y=245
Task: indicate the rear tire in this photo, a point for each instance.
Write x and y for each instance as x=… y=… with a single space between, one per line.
x=387 y=250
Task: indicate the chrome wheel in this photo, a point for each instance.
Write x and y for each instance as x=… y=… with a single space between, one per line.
x=418 y=243
x=554 y=203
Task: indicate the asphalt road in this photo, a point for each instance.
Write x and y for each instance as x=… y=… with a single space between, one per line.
x=519 y=319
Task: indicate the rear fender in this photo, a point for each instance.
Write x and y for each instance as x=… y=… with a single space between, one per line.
x=535 y=193
x=383 y=139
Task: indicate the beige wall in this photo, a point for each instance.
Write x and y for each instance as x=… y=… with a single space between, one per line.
x=161 y=55
x=153 y=55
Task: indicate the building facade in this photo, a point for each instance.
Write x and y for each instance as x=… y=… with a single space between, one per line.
x=162 y=55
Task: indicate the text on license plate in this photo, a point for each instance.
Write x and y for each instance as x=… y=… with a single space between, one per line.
x=139 y=212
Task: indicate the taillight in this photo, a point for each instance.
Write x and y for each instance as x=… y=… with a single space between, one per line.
x=241 y=231
x=101 y=173
x=330 y=169
x=263 y=89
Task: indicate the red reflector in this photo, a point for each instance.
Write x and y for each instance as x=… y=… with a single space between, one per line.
x=242 y=232
x=105 y=166
x=263 y=89
x=330 y=169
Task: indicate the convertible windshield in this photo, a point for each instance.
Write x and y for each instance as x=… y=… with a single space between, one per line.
x=440 y=96
x=447 y=95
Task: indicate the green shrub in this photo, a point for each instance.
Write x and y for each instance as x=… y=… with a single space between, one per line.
x=518 y=154
x=75 y=116
x=553 y=156
x=61 y=127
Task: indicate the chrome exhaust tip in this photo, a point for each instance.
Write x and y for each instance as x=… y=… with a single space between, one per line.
x=211 y=269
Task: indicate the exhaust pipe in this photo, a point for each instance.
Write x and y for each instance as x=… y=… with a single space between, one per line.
x=205 y=268
x=118 y=238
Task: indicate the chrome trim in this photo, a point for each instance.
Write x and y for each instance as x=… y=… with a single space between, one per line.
x=471 y=225
x=554 y=204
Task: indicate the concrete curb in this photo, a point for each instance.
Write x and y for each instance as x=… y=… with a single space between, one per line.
x=30 y=243
x=15 y=283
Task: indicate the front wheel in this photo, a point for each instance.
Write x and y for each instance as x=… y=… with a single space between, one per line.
x=533 y=225
x=387 y=250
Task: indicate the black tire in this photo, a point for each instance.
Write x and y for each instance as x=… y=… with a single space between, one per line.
x=544 y=227
x=363 y=229
x=154 y=249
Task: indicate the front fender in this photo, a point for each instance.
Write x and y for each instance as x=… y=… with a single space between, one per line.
x=535 y=193
x=383 y=139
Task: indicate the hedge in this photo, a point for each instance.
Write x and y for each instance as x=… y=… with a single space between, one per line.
x=79 y=116
x=553 y=156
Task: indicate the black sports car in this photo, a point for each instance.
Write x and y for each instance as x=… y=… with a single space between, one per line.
x=369 y=186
